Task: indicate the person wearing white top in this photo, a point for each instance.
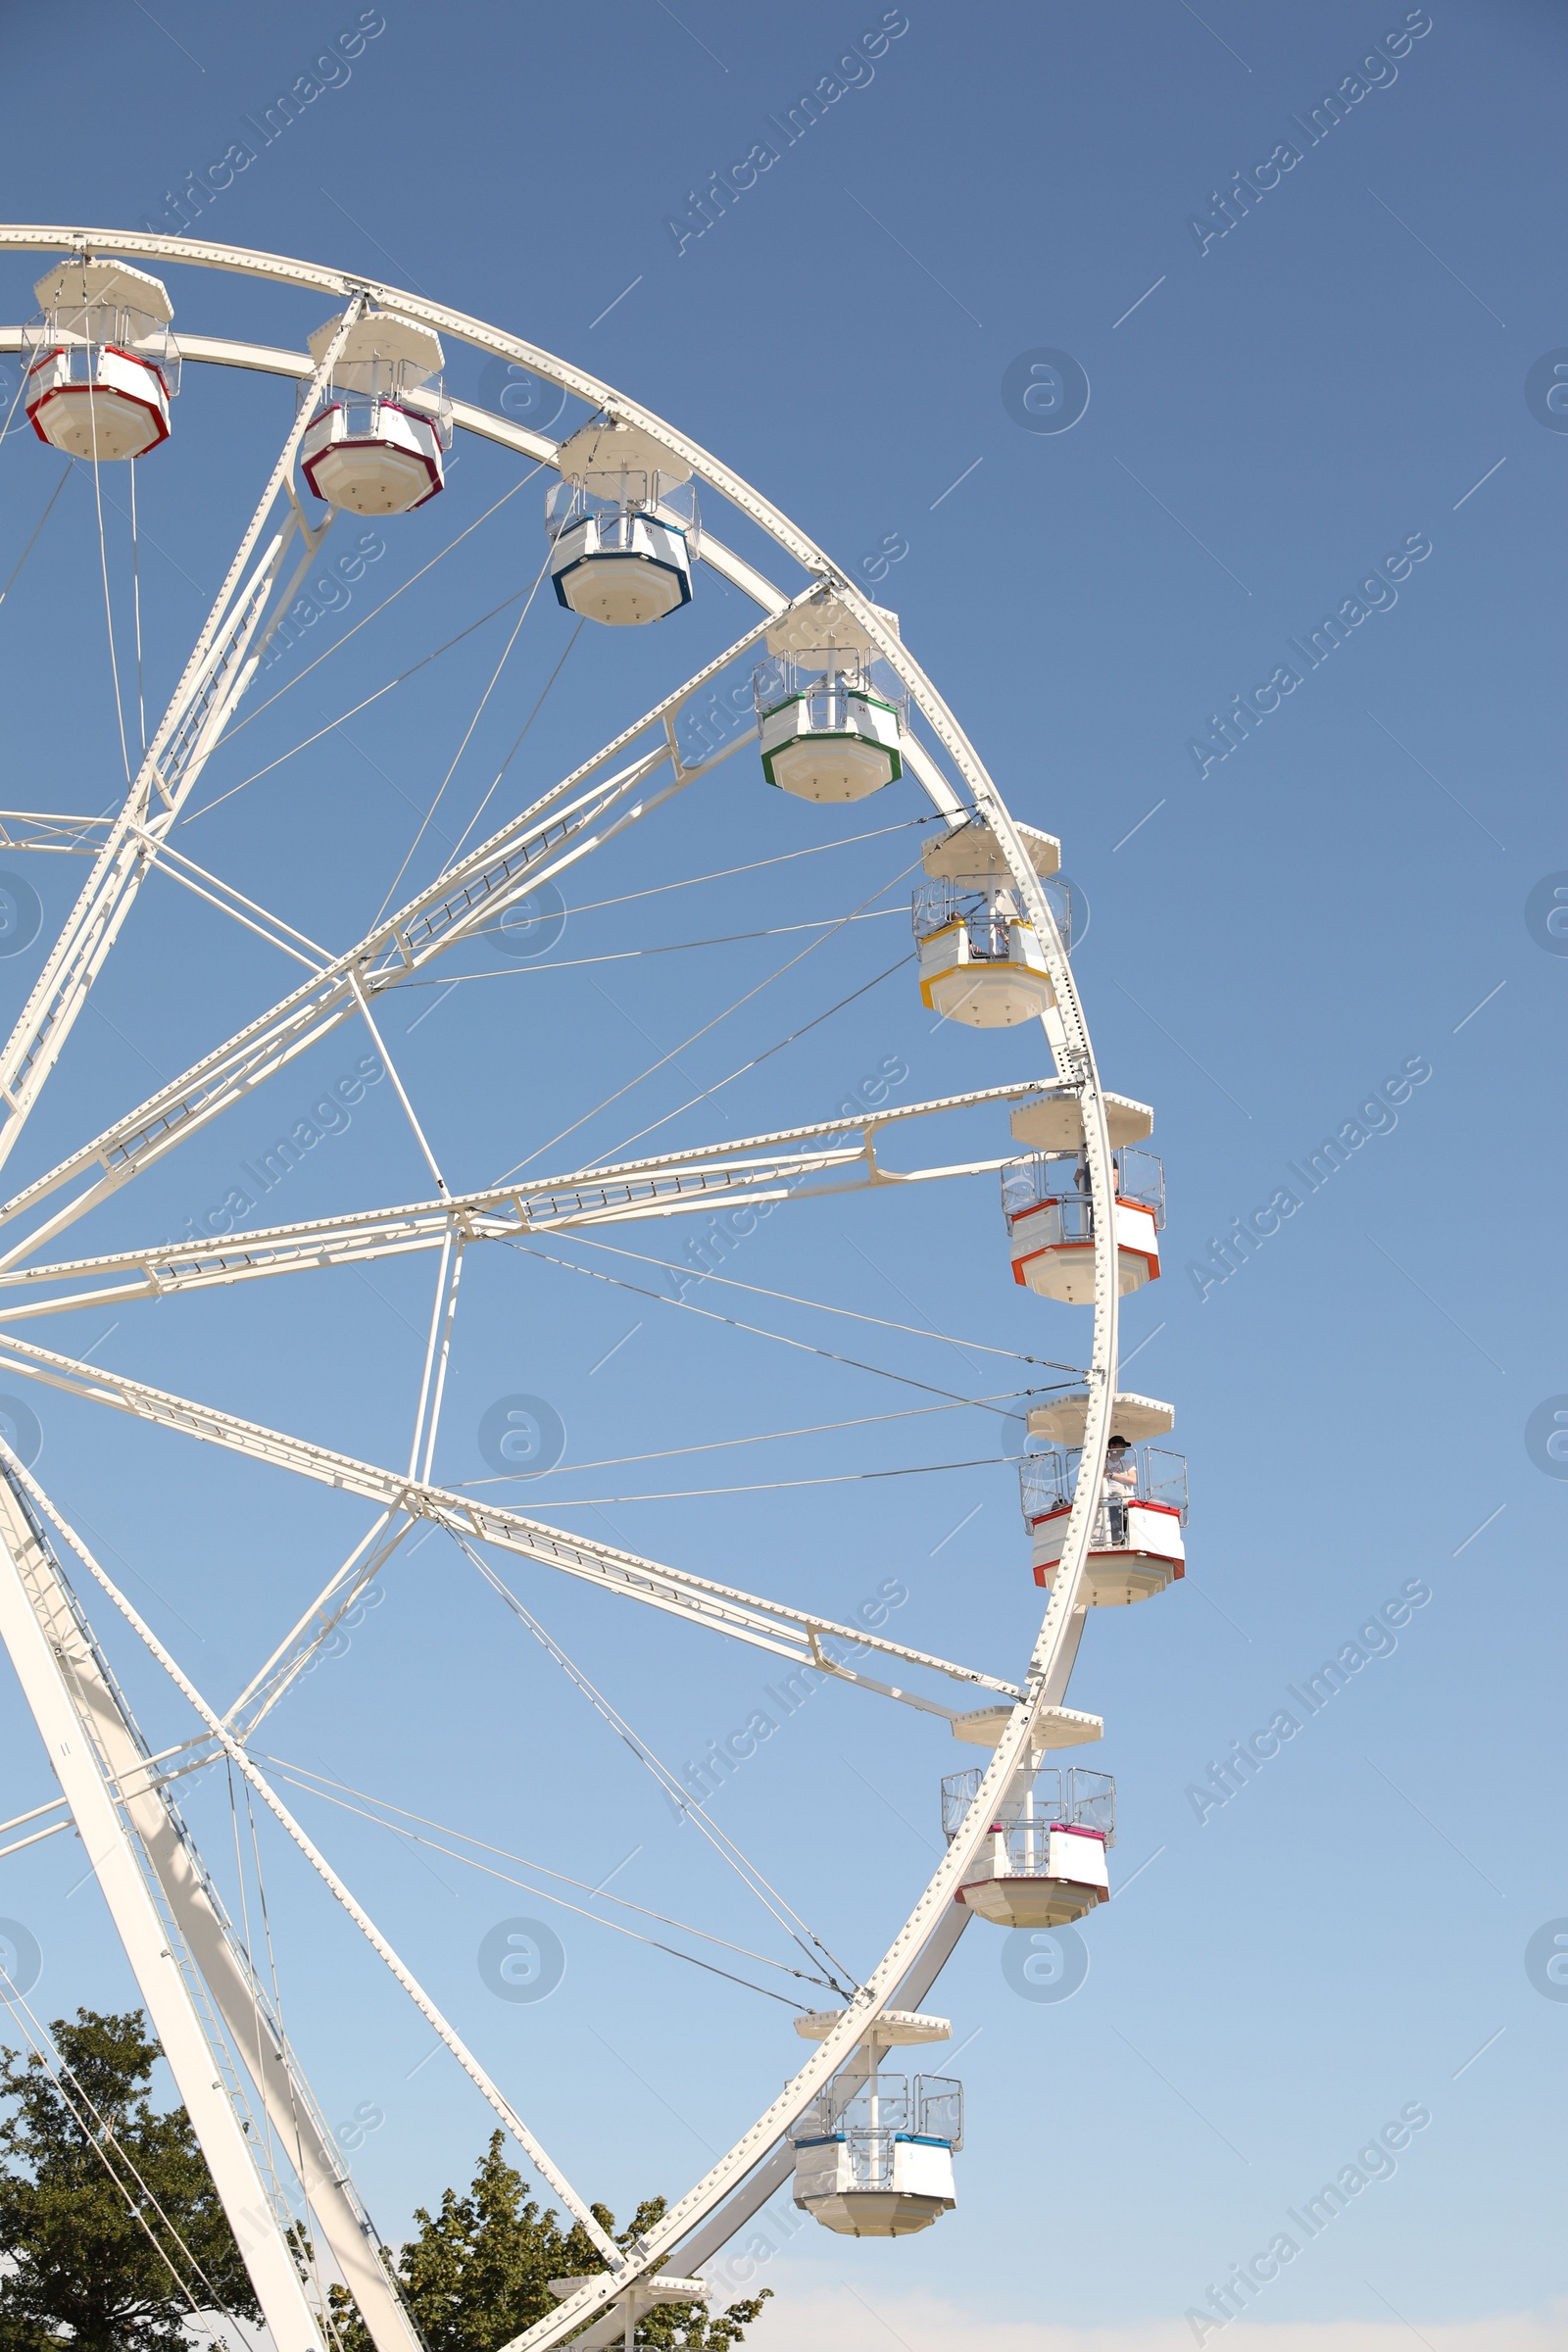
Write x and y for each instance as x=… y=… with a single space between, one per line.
x=1121 y=1486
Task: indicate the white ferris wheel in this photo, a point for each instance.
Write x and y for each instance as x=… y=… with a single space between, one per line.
x=638 y=526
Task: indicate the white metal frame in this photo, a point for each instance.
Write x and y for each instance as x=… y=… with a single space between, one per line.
x=553 y=834
x=46 y=1650
x=753 y=1170
x=106 y=1732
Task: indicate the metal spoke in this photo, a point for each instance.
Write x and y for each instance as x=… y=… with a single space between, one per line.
x=221 y=668
x=236 y=906
x=360 y=1237
x=35 y=829
x=59 y=1675
x=545 y=840
x=16 y=1481
x=670 y=1184
x=437 y=1356
x=300 y=1645
x=476 y=889
x=788 y=1632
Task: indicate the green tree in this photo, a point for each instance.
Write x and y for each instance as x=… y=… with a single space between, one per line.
x=108 y=2215
x=106 y=2205
x=478 y=2272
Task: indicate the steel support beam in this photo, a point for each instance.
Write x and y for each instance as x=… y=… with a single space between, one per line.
x=220 y=666
x=15 y=1483
x=667 y=1184
x=49 y=1653
x=254 y=2029
x=790 y=1632
x=545 y=840
x=928 y=1926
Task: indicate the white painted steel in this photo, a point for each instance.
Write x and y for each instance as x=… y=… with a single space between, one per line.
x=81 y=285
x=670 y=1184
x=390 y=469
x=986 y=992
x=309 y=1632
x=619 y=2322
x=543 y=842
x=1054 y=1121
x=765 y=1624
x=625 y=571
x=727 y=2193
x=894 y=2030
x=34 y=829
x=19 y=1478
x=77 y=1765
x=222 y=665
x=1137 y=1417
x=254 y=2031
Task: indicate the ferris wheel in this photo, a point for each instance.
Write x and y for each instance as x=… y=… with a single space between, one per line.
x=824 y=706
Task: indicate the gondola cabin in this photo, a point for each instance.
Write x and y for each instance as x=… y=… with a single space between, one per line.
x=831 y=715
x=100 y=364
x=1050 y=1217
x=377 y=442
x=1136 y=1543
x=1048 y=1211
x=874 y=2151
x=981 y=961
x=623 y=525
x=1043 y=1863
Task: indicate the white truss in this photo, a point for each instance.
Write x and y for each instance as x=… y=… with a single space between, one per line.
x=37 y=829
x=16 y=1481
x=221 y=1965
x=52 y=1656
x=543 y=842
x=790 y=1632
x=732 y=2187
x=222 y=664
x=670 y=1184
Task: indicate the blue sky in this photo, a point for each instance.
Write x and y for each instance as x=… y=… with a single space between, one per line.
x=1320 y=412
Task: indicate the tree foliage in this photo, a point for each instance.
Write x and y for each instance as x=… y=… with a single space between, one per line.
x=112 y=2231
x=477 y=2273
x=106 y=2205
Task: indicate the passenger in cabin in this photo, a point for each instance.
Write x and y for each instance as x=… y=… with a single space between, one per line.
x=1081 y=1176
x=1121 y=1486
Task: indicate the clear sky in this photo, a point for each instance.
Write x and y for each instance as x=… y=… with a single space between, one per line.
x=1321 y=394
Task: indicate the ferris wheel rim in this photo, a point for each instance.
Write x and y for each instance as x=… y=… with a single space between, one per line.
x=695 y=2215
x=281 y=270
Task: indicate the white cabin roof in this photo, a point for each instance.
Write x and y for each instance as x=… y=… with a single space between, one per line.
x=972 y=849
x=381 y=336
x=643 y=2296
x=1054 y=1727
x=1132 y=1417
x=608 y=446
x=824 y=621
x=83 y=284
x=1054 y=1121
x=892 y=2026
